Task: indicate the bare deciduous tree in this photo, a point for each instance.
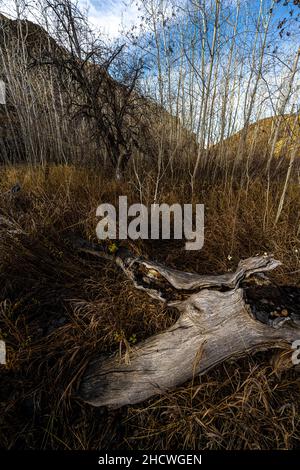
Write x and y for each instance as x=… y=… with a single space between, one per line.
x=99 y=81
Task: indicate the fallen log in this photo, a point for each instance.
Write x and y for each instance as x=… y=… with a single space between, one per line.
x=222 y=317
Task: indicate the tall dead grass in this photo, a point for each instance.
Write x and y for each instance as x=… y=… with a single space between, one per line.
x=58 y=307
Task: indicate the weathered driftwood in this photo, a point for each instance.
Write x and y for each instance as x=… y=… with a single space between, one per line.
x=215 y=324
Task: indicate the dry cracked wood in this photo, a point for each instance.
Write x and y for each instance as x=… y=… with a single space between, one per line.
x=215 y=324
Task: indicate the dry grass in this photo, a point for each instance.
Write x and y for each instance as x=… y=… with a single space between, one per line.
x=58 y=307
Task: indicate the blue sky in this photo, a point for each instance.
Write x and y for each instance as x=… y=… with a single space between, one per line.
x=110 y=15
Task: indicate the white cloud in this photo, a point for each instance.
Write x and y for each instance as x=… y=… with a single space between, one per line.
x=110 y=16
x=8 y=8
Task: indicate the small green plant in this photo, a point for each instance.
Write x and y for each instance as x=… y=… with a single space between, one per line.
x=113 y=248
x=133 y=339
